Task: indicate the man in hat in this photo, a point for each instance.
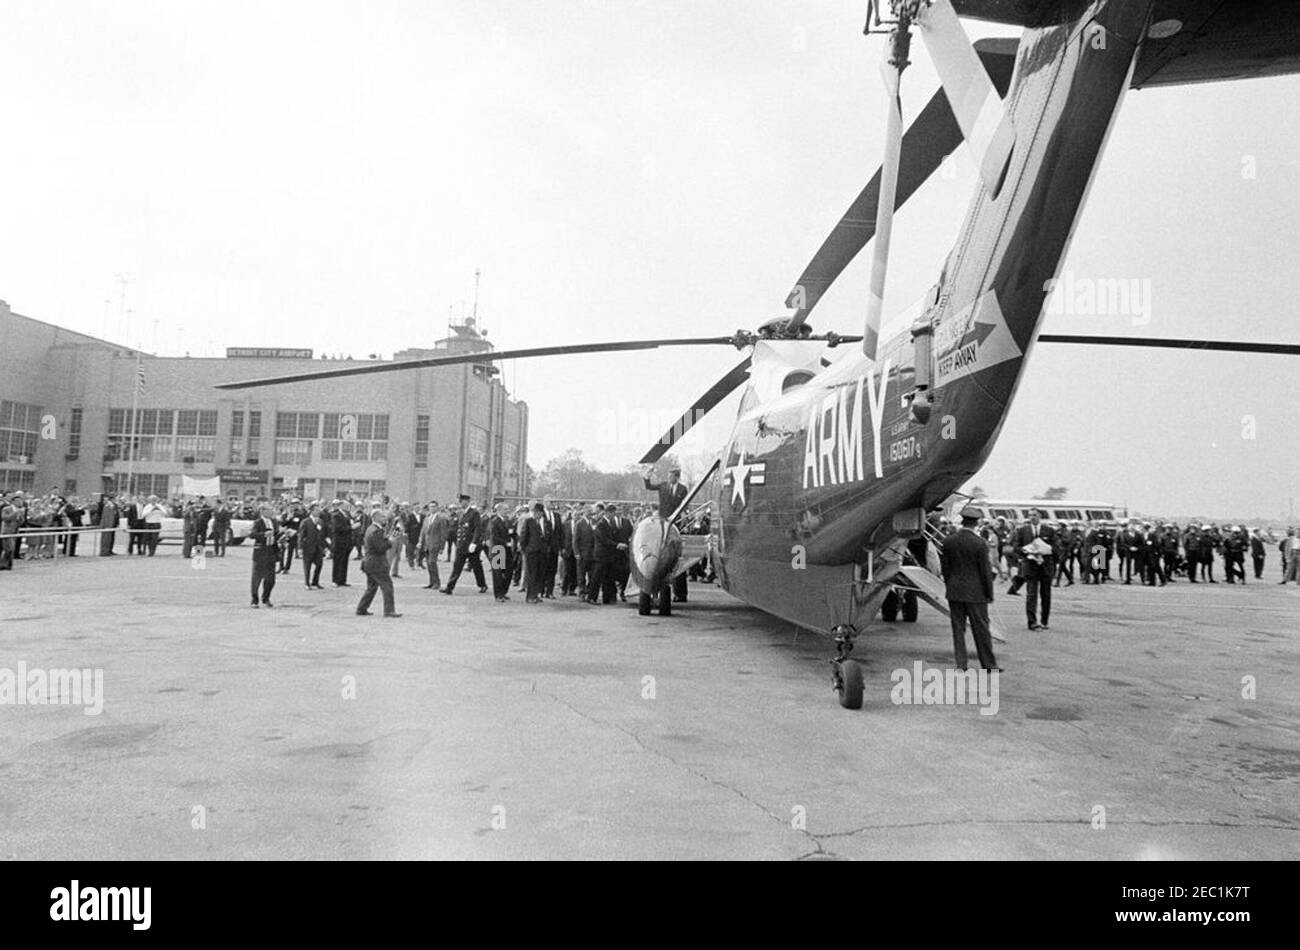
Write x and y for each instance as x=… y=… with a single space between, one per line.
x=968 y=583
x=469 y=537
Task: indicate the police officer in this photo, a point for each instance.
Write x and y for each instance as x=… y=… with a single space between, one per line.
x=469 y=537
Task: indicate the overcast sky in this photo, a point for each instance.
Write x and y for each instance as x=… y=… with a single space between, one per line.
x=329 y=175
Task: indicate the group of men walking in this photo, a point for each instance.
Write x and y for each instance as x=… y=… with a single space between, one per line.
x=580 y=548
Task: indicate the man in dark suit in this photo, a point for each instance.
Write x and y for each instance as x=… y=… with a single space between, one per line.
x=536 y=540
x=569 y=585
x=623 y=530
x=220 y=528
x=134 y=524
x=313 y=540
x=584 y=550
x=968 y=577
x=550 y=564
x=671 y=494
x=470 y=531
x=501 y=555
x=605 y=549
x=291 y=522
x=266 y=556
x=107 y=518
x=340 y=537
x=1039 y=569
x=434 y=532
x=202 y=517
x=1257 y=552
x=374 y=564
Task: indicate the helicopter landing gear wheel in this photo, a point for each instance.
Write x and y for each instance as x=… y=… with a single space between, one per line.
x=846 y=674
x=909 y=607
x=889 y=607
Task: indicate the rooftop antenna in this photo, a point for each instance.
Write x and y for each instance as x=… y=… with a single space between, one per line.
x=474 y=316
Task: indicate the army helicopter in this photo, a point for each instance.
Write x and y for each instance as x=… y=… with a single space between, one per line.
x=836 y=458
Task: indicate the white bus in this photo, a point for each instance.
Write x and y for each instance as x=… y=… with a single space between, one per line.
x=1062 y=509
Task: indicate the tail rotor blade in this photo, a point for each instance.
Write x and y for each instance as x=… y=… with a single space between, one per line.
x=984 y=122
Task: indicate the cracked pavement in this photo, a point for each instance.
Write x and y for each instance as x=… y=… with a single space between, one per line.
x=486 y=731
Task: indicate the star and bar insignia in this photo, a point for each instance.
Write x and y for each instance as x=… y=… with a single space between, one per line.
x=744 y=474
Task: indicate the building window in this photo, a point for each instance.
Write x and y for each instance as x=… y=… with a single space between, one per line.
x=74 y=437
x=354 y=437
x=297 y=425
x=161 y=435
x=20 y=430
x=194 y=449
x=510 y=468
x=15 y=479
x=255 y=424
x=356 y=489
x=476 y=456
x=422 y=441
x=142 y=483
x=237 y=424
x=69 y=486
x=292 y=451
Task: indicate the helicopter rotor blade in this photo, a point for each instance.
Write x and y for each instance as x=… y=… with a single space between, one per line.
x=885 y=206
x=931 y=137
x=719 y=391
x=739 y=340
x=1224 y=346
x=976 y=103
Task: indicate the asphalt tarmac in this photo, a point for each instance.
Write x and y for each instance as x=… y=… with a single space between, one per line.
x=469 y=729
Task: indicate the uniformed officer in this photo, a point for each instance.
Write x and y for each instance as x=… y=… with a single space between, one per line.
x=469 y=537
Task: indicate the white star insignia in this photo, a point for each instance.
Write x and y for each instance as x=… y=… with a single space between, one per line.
x=754 y=473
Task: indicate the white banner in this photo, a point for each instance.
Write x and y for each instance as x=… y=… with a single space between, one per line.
x=200 y=486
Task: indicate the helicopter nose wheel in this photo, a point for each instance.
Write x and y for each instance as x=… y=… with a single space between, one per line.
x=846 y=673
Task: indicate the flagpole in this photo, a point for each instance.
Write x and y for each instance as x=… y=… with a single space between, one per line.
x=135 y=425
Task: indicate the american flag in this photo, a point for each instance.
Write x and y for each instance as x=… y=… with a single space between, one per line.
x=139 y=379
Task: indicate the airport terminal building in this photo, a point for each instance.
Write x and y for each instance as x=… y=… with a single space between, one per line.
x=67 y=421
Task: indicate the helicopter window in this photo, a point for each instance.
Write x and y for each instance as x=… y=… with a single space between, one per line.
x=748 y=401
x=795 y=379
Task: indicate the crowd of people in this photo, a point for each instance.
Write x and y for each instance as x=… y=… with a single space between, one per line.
x=1154 y=552
x=30 y=523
